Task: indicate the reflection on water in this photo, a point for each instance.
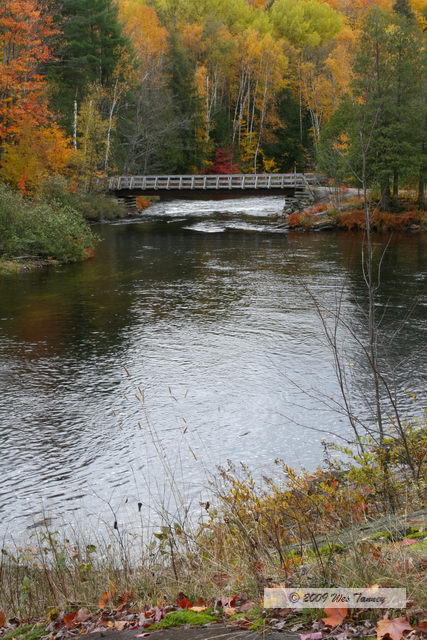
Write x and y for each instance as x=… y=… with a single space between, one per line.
x=203 y=313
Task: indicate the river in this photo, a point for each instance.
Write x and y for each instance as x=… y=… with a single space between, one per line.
x=188 y=341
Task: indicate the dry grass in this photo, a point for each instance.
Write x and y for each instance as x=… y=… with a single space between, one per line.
x=302 y=529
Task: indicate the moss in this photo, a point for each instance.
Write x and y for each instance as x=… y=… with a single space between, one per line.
x=257 y=624
x=416 y=535
x=381 y=535
x=419 y=546
x=181 y=618
x=28 y=632
x=328 y=549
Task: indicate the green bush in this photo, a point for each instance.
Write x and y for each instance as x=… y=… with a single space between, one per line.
x=93 y=206
x=42 y=230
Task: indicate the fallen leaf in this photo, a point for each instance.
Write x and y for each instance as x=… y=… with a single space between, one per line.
x=228 y=601
x=407 y=542
x=69 y=620
x=142 y=635
x=200 y=603
x=2 y=619
x=183 y=601
x=229 y=611
x=105 y=597
x=158 y=614
x=312 y=636
x=198 y=609
x=422 y=626
x=335 y=617
x=83 y=615
x=120 y=625
x=247 y=606
x=392 y=628
x=124 y=600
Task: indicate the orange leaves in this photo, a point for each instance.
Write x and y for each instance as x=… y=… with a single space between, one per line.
x=394 y=629
x=69 y=620
x=35 y=152
x=25 y=30
x=105 y=598
x=2 y=619
x=335 y=616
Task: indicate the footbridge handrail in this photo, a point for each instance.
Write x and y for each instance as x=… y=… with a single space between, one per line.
x=232 y=181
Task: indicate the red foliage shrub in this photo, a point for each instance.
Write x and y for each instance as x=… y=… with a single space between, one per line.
x=223 y=163
x=300 y=220
x=381 y=220
x=352 y=220
x=317 y=208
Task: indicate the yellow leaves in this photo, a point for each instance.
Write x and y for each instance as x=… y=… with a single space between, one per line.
x=35 y=153
x=142 y=26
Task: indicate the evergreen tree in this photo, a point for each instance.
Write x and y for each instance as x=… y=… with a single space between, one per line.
x=186 y=106
x=91 y=43
x=404 y=8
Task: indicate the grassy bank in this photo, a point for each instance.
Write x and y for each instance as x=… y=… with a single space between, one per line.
x=348 y=519
x=50 y=228
x=351 y=217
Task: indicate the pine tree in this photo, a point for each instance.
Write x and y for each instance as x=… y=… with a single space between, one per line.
x=186 y=105
x=404 y=8
x=91 y=45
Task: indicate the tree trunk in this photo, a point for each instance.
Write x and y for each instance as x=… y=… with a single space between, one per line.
x=395 y=188
x=422 y=193
x=385 y=194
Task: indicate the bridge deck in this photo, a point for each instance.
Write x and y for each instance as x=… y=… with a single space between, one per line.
x=216 y=182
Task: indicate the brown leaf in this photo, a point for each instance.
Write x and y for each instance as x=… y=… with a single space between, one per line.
x=120 y=625
x=83 y=615
x=422 y=626
x=335 y=617
x=104 y=599
x=246 y=606
x=2 y=619
x=198 y=609
x=200 y=603
x=229 y=611
x=69 y=620
x=125 y=599
x=393 y=628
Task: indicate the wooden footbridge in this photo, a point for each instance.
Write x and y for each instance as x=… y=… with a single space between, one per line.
x=187 y=186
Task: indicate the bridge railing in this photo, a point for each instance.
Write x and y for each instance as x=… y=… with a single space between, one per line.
x=233 y=181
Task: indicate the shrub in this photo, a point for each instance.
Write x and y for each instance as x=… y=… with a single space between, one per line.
x=93 y=206
x=304 y=220
x=317 y=208
x=42 y=230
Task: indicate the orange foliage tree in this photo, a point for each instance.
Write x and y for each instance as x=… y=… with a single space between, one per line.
x=35 y=152
x=24 y=32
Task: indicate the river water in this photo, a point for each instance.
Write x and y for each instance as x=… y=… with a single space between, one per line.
x=188 y=341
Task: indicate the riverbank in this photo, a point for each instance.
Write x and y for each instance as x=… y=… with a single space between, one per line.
x=297 y=529
x=348 y=215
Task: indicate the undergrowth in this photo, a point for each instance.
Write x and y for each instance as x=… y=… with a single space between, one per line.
x=295 y=528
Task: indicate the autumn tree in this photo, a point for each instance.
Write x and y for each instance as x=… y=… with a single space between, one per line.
x=24 y=47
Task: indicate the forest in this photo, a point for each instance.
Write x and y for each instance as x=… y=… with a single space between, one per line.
x=90 y=88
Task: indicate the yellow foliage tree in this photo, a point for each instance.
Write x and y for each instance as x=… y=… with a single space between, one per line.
x=35 y=153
